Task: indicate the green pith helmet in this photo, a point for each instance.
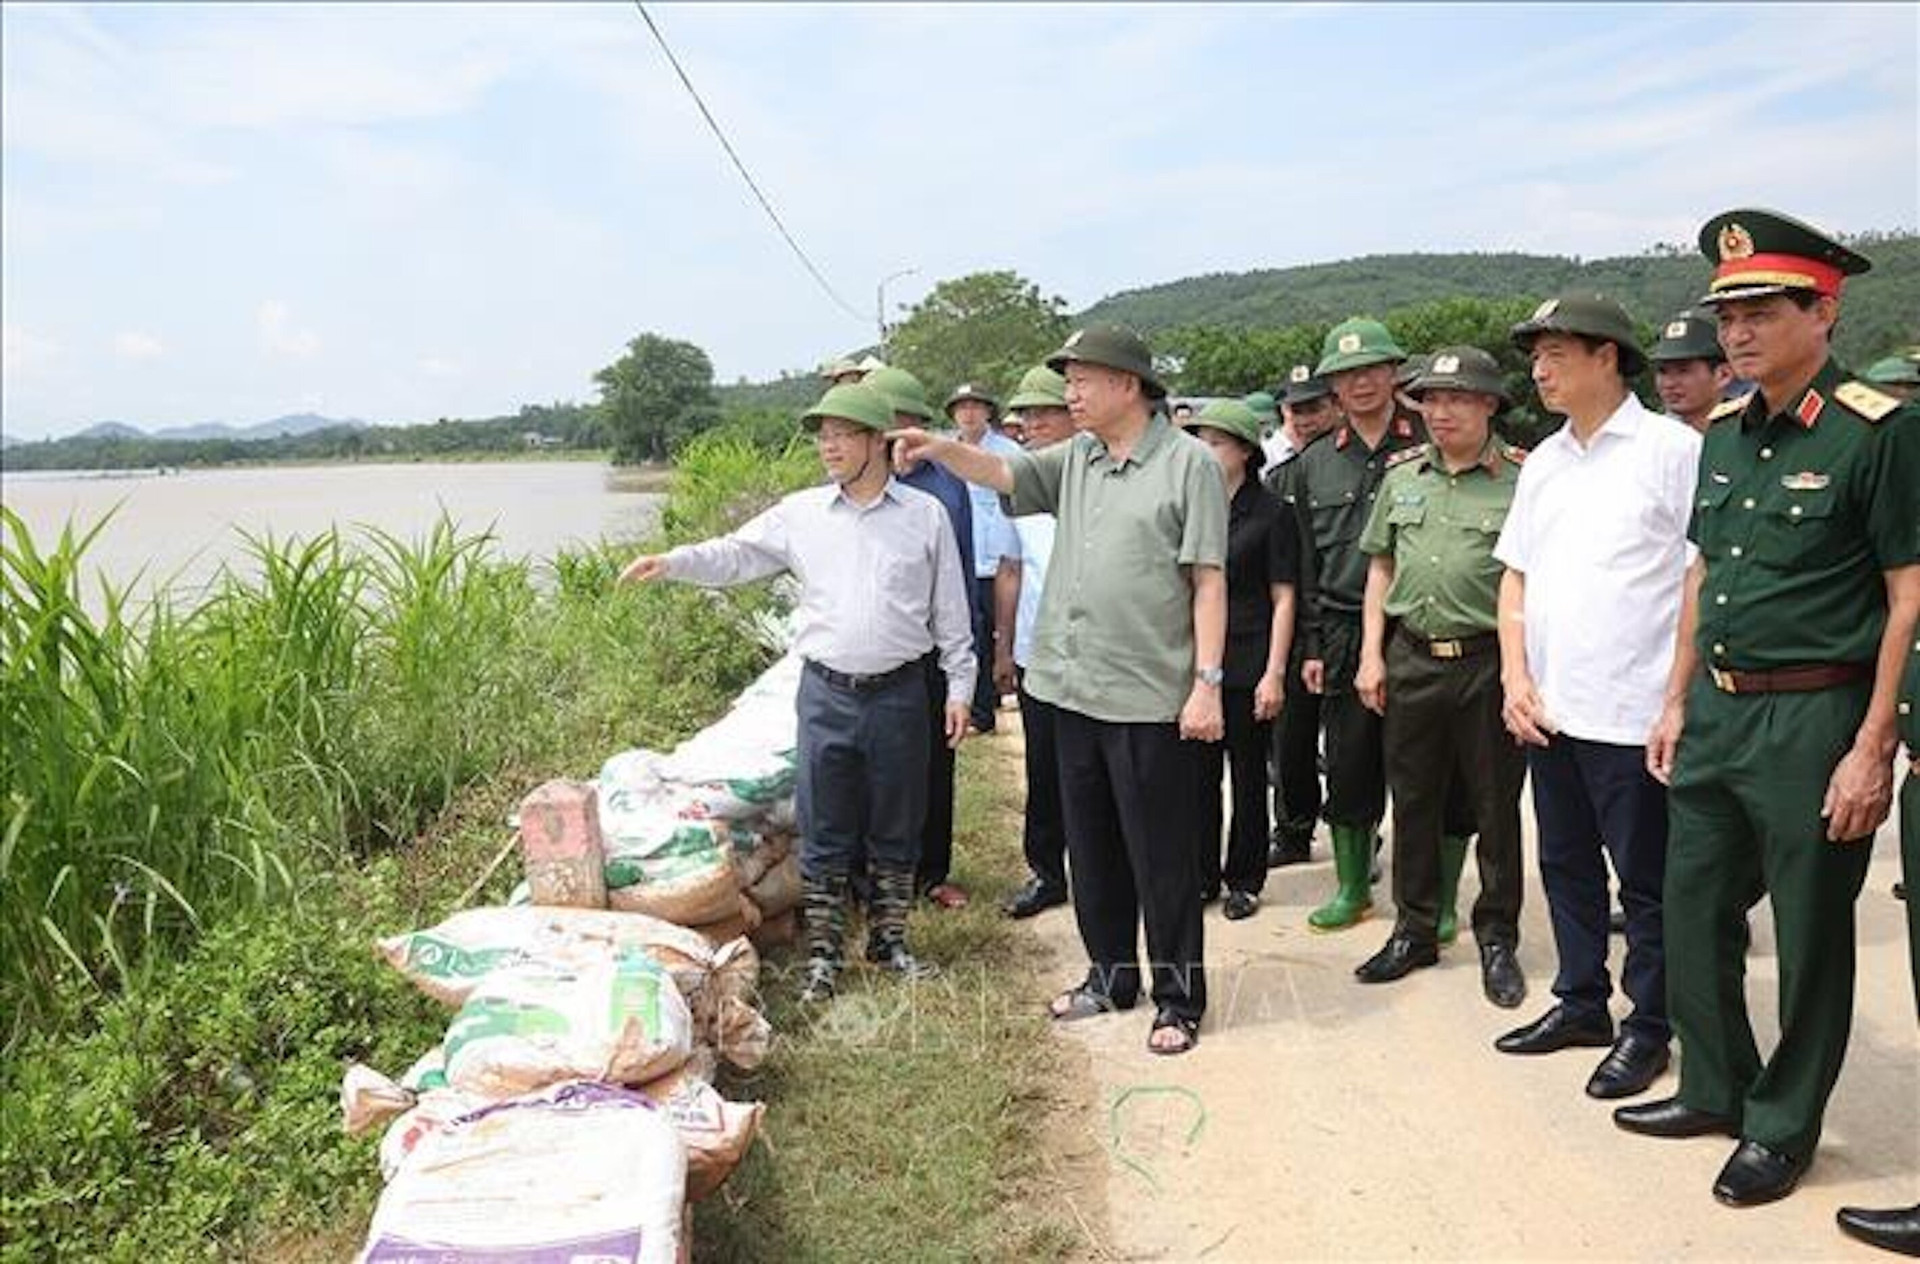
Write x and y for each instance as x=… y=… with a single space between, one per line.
x=1461 y=369
x=1040 y=387
x=1355 y=343
x=1303 y=387
x=1584 y=312
x=901 y=389
x=1410 y=369
x=851 y=401
x=967 y=390
x=1691 y=335
x=1113 y=347
x=1895 y=370
x=1233 y=417
x=1756 y=252
x=838 y=366
x=1265 y=410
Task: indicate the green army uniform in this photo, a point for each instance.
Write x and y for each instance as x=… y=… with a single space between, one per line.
x=1443 y=733
x=1909 y=711
x=1798 y=513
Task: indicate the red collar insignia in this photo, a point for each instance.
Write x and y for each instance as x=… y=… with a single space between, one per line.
x=1341 y=439
x=1809 y=411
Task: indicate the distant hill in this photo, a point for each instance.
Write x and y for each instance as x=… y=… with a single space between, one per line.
x=292 y=424
x=1881 y=312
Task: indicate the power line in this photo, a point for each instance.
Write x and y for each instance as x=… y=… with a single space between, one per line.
x=741 y=167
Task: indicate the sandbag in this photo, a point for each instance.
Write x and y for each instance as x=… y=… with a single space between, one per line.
x=527 y=1026
x=757 y=850
x=777 y=931
x=665 y=865
x=778 y=889
x=581 y=1171
x=717 y=1132
x=559 y=827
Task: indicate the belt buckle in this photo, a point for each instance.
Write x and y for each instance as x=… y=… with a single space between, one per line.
x=1446 y=649
x=1722 y=680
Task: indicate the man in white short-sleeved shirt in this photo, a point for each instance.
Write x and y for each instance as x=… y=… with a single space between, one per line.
x=1596 y=553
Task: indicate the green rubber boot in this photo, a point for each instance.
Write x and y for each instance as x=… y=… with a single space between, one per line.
x=1352 y=856
x=1453 y=858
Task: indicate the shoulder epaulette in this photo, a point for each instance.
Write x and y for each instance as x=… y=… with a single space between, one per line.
x=1729 y=407
x=1407 y=454
x=1513 y=452
x=1858 y=397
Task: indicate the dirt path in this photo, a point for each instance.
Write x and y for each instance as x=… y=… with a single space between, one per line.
x=1321 y=1119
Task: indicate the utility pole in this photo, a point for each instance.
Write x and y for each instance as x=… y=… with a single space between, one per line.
x=880 y=304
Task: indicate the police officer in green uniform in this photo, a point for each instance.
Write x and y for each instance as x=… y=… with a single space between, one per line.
x=1332 y=488
x=1898 y=1229
x=1430 y=664
x=1689 y=369
x=1777 y=735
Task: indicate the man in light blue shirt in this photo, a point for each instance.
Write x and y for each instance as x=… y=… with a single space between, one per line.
x=973 y=412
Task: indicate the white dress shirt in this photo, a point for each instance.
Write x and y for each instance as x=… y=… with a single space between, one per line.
x=1600 y=533
x=879 y=586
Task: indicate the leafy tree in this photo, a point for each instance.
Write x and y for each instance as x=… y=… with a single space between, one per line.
x=988 y=327
x=656 y=395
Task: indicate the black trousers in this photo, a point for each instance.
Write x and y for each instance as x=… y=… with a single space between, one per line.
x=860 y=793
x=1443 y=735
x=1594 y=801
x=936 y=838
x=1244 y=752
x=1044 y=835
x=1356 y=775
x=986 y=698
x=1296 y=756
x=1127 y=791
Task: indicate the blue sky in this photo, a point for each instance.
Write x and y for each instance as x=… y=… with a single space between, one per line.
x=403 y=212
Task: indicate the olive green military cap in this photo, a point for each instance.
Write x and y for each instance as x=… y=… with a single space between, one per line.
x=1355 y=343
x=1585 y=312
x=1756 y=252
x=1690 y=335
x=1303 y=386
x=1461 y=369
x=967 y=390
x=837 y=366
x=901 y=389
x=855 y=402
x=1265 y=410
x=1233 y=417
x=1113 y=347
x=1410 y=369
x=1040 y=387
x=1895 y=370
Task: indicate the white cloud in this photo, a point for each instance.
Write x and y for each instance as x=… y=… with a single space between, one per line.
x=135 y=345
x=278 y=336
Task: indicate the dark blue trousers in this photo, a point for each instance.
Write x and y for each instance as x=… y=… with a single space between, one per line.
x=1594 y=801
x=1044 y=837
x=862 y=777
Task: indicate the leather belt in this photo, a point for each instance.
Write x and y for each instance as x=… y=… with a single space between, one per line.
x=864 y=684
x=1789 y=679
x=1458 y=647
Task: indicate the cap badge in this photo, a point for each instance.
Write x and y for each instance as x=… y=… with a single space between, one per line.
x=1349 y=343
x=1299 y=373
x=1805 y=481
x=1735 y=242
x=1546 y=309
x=1446 y=364
x=1677 y=329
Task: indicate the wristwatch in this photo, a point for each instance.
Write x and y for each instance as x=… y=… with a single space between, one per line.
x=1209 y=676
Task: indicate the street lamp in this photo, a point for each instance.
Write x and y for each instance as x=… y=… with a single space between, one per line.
x=880 y=302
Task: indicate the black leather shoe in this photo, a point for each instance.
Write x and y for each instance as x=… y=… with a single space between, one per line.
x=1895 y=1230
x=1755 y=1175
x=1559 y=1028
x=1035 y=897
x=1288 y=849
x=1634 y=1063
x=1500 y=976
x=1400 y=957
x=1671 y=1117
x=1240 y=905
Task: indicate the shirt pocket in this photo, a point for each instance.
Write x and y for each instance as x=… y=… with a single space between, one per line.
x=1797 y=530
x=1407 y=515
x=1709 y=512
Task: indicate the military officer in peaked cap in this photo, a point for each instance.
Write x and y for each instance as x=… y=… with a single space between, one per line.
x=1777 y=735
x=1689 y=369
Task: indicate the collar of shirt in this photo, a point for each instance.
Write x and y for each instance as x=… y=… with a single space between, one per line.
x=1401 y=428
x=1803 y=411
x=1242 y=502
x=891 y=491
x=1623 y=422
x=1158 y=427
x=1488 y=460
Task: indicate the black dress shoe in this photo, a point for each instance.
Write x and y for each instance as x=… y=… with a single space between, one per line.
x=1635 y=1062
x=1896 y=1230
x=1559 y=1028
x=1500 y=976
x=1240 y=905
x=1035 y=897
x=1755 y=1175
x=1671 y=1117
x=1288 y=849
x=1400 y=957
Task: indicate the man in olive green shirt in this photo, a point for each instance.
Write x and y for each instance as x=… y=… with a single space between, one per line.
x=1129 y=649
x=1777 y=735
x=1430 y=666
